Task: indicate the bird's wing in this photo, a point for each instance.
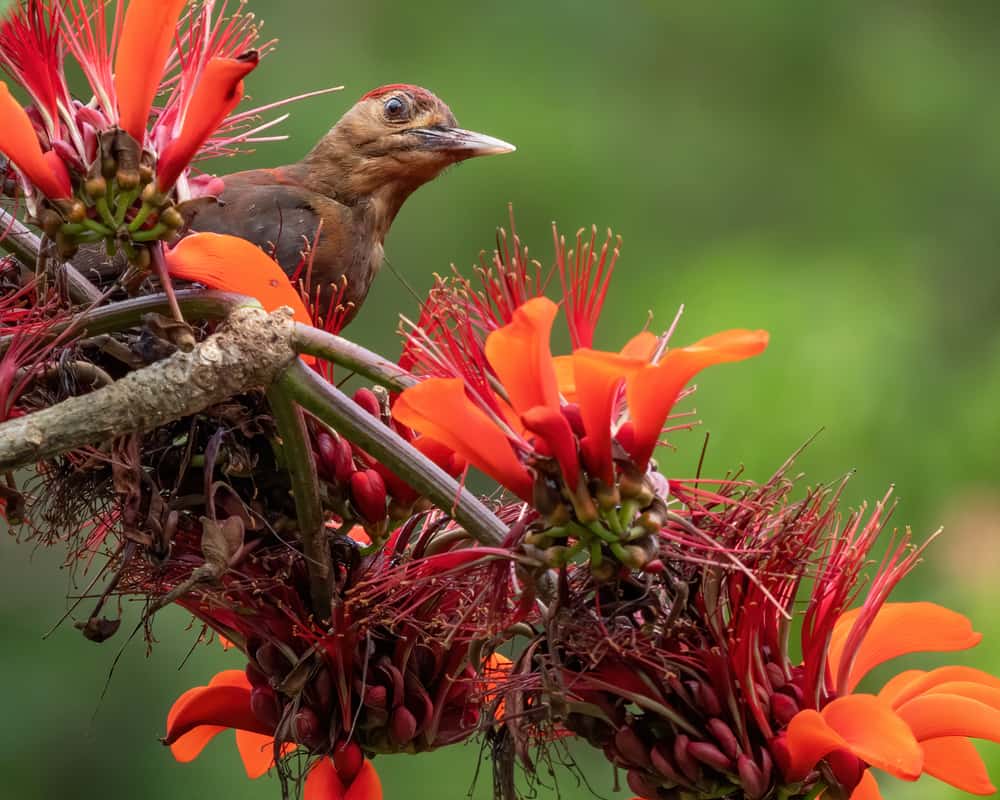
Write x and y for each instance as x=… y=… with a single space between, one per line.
x=282 y=219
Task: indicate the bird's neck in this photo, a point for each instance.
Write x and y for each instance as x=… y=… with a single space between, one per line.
x=337 y=172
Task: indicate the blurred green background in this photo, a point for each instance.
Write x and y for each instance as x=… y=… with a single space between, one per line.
x=828 y=171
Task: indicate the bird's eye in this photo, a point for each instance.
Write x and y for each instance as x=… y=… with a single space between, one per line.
x=394 y=108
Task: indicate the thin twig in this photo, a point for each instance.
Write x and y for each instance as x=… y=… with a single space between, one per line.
x=354 y=357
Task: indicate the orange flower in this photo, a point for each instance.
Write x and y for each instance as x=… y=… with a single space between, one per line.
x=235 y=265
x=203 y=712
x=19 y=142
x=920 y=722
x=146 y=40
x=218 y=92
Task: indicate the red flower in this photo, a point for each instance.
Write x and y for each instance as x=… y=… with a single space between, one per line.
x=203 y=712
x=20 y=144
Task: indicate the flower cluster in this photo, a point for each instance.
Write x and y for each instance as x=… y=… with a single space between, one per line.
x=117 y=169
x=708 y=636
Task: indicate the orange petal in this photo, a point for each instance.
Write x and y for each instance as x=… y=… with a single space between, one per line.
x=598 y=375
x=224 y=703
x=189 y=746
x=440 y=409
x=867 y=789
x=931 y=716
x=323 y=782
x=19 y=142
x=898 y=629
x=366 y=784
x=653 y=390
x=641 y=346
x=550 y=425
x=860 y=724
x=898 y=684
x=256 y=751
x=234 y=265
x=520 y=355
x=218 y=92
x=146 y=39
x=565 y=378
x=987 y=695
x=954 y=760
x=876 y=734
x=925 y=681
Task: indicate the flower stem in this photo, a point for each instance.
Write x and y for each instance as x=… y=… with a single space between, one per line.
x=297 y=455
x=160 y=270
x=333 y=407
x=344 y=353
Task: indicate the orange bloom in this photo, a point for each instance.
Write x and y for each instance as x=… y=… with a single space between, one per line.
x=920 y=722
x=235 y=265
x=19 y=142
x=218 y=92
x=532 y=380
x=203 y=712
x=146 y=40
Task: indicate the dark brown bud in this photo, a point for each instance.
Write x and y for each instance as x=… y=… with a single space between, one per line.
x=96 y=187
x=146 y=174
x=77 y=212
x=50 y=222
x=171 y=217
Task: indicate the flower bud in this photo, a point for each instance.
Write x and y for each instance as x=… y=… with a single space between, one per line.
x=710 y=755
x=368 y=494
x=348 y=761
x=77 y=212
x=775 y=675
x=375 y=696
x=783 y=708
x=751 y=778
x=264 y=704
x=97 y=186
x=571 y=411
x=724 y=736
x=326 y=452
x=663 y=763
x=685 y=761
x=402 y=726
x=307 y=728
x=628 y=743
x=128 y=179
x=642 y=785
x=368 y=400
x=172 y=218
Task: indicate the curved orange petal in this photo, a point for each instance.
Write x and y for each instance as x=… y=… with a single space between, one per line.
x=224 y=703
x=924 y=681
x=189 y=746
x=867 y=789
x=932 y=716
x=653 y=390
x=565 y=378
x=19 y=142
x=218 y=92
x=323 y=782
x=987 y=695
x=876 y=734
x=898 y=629
x=256 y=752
x=440 y=409
x=235 y=265
x=520 y=355
x=597 y=376
x=897 y=685
x=550 y=425
x=366 y=784
x=860 y=724
x=641 y=346
x=146 y=39
x=955 y=760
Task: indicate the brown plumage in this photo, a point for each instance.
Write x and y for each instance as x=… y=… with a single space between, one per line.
x=354 y=181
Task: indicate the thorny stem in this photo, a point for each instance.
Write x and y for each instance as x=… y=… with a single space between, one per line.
x=18 y=240
x=333 y=407
x=297 y=454
x=347 y=354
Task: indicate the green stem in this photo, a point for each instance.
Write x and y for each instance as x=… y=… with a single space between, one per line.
x=334 y=408
x=105 y=211
x=297 y=454
x=347 y=354
x=199 y=305
x=141 y=216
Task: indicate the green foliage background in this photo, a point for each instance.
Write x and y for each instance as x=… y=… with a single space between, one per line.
x=828 y=171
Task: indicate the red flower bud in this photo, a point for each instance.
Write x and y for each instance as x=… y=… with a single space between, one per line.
x=708 y=753
x=403 y=726
x=368 y=400
x=725 y=737
x=751 y=778
x=308 y=730
x=642 y=785
x=783 y=708
x=348 y=759
x=630 y=746
x=264 y=705
x=368 y=495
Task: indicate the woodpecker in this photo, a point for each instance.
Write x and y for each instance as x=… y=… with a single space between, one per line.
x=340 y=200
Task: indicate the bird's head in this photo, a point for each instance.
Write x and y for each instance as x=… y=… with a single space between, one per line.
x=392 y=141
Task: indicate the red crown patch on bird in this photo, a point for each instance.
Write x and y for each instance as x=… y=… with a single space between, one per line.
x=416 y=91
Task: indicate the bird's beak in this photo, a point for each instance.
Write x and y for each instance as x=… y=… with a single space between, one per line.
x=463 y=143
